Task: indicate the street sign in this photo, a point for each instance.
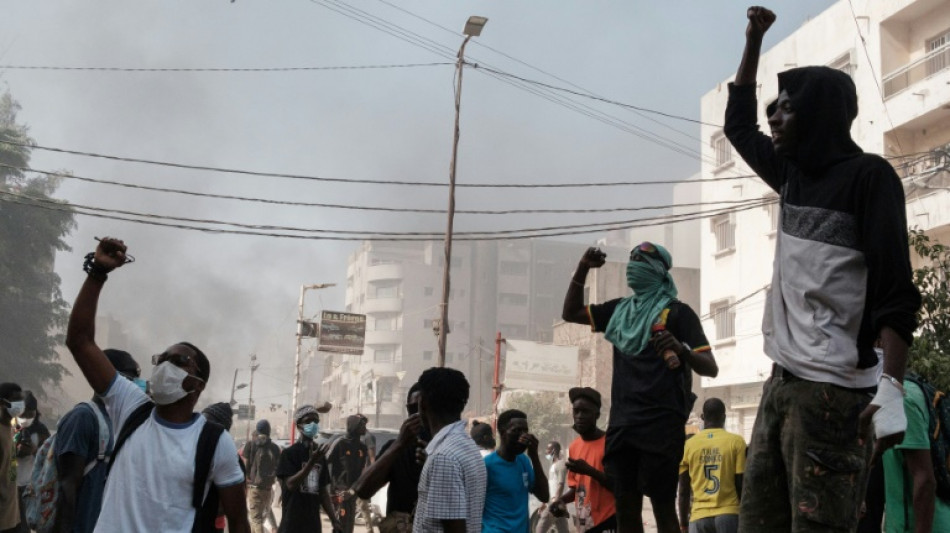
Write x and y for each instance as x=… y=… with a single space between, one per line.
x=245 y=412
x=342 y=333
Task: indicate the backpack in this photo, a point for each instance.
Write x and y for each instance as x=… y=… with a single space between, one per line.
x=938 y=407
x=206 y=508
x=41 y=497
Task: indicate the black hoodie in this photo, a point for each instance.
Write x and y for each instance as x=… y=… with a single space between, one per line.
x=842 y=263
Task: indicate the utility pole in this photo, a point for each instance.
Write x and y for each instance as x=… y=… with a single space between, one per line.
x=293 y=401
x=473 y=28
x=250 y=396
x=496 y=384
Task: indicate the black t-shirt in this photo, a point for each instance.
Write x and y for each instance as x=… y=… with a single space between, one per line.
x=301 y=507
x=402 y=493
x=347 y=459
x=646 y=395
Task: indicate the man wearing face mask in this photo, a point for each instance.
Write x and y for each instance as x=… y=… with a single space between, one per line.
x=658 y=342
x=32 y=434
x=347 y=459
x=11 y=405
x=261 y=455
x=80 y=469
x=397 y=465
x=305 y=478
x=166 y=455
x=557 y=478
x=512 y=476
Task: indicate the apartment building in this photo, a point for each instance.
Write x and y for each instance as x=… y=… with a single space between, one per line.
x=512 y=287
x=900 y=64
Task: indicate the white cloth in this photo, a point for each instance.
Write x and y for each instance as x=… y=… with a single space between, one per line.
x=890 y=418
x=150 y=485
x=453 y=482
x=557 y=475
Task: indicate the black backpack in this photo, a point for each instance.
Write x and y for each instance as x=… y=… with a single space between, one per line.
x=938 y=407
x=206 y=508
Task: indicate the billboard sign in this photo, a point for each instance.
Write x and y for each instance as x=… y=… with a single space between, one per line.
x=342 y=333
x=534 y=366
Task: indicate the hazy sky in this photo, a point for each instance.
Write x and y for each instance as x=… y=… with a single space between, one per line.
x=236 y=295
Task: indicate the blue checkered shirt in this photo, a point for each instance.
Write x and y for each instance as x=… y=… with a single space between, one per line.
x=453 y=482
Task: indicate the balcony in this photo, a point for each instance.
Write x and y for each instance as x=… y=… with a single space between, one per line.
x=382 y=305
x=917 y=71
x=382 y=272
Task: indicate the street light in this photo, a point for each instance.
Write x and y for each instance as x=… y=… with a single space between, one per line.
x=473 y=28
x=235 y=388
x=293 y=401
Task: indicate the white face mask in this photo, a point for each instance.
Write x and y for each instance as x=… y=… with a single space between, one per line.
x=167 y=383
x=16 y=408
x=25 y=422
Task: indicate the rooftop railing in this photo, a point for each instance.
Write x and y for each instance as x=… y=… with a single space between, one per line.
x=921 y=69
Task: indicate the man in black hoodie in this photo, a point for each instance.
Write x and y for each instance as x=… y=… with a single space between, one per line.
x=842 y=284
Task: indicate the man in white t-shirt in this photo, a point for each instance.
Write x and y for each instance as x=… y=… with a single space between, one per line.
x=151 y=483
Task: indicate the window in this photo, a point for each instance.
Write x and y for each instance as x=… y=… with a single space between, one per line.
x=427 y=356
x=428 y=291
x=724 y=317
x=510 y=298
x=722 y=149
x=939 y=61
x=843 y=64
x=514 y=268
x=384 y=353
x=386 y=322
x=384 y=289
x=725 y=230
x=384 y=391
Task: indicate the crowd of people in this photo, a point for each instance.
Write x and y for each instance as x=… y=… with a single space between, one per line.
x=837 y=413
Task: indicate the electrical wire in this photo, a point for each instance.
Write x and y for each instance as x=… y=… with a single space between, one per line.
x=218 y=69
x=585 y=93
x=295 y=203
x=367 y=181
x=433 y=46
x=346 y=235
x=598 y=98
x=426 y=235
x=867 y=55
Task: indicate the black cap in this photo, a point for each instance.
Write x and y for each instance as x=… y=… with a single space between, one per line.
x=122 y=362
x=584 y=392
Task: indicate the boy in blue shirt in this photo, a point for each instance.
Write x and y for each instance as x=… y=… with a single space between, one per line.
x=512 y=475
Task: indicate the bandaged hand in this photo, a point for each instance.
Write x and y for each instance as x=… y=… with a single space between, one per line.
x=890 y=418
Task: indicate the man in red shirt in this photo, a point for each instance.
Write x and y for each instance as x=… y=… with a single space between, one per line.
x=588 y=485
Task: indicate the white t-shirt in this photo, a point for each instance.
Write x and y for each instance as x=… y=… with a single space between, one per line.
x=150 y=485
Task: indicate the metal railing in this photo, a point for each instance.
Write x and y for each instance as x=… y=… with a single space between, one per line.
x=916 y=71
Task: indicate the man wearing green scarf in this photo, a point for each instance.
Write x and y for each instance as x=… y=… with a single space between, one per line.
x=650 y=397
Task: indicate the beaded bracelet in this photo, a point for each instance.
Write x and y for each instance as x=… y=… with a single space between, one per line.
x=95 y=270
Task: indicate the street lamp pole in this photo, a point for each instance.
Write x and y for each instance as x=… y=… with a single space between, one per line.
x=473 y=28
x=293 y=401
x=250 y=396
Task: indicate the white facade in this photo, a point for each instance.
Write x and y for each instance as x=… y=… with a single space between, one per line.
x=512 y=287
x=903 y=83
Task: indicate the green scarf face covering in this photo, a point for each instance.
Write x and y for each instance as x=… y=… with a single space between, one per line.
x=653 y=289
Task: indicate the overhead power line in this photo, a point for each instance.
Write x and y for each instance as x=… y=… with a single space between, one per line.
x=349 y=235
x=222 y=69
x=595 y=97
x=364 y=181
x=297 y=203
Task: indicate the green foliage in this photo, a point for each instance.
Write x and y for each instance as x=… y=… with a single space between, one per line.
x=547 y=412
x=32 y=308
x=929 y=353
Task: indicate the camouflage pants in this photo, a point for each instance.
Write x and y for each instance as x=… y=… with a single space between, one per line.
x=805 y=471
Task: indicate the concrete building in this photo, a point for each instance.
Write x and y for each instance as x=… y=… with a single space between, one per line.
x=509 y=286
x=902 y=73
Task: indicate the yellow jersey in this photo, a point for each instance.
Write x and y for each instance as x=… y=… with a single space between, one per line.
x=713 y=457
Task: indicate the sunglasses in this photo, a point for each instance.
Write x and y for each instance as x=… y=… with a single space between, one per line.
x=650 y=250
x=176 y=359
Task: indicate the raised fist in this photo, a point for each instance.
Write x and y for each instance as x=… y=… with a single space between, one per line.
x=760 y=20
